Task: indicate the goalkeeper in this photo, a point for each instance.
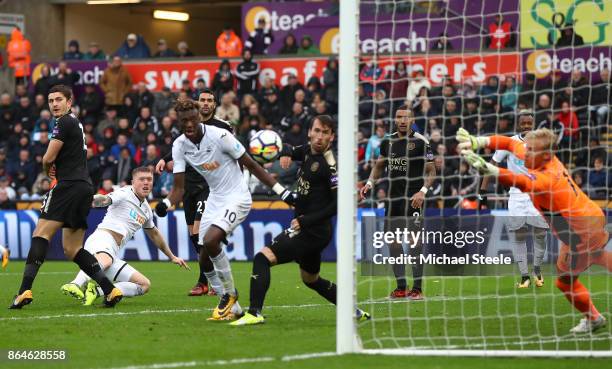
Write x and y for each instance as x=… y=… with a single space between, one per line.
x=574 y=218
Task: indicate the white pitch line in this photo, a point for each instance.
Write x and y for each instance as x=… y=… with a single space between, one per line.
x=265 y=359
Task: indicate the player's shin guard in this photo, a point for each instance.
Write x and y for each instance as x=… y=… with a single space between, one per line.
x=417 y=268
x=130 y=289
x=578 y=295
x=89 y=264
x=325 y=288
x=224 y=271
x=36 y=257
x=194 y=240
x=260 y=282
x=399 y=269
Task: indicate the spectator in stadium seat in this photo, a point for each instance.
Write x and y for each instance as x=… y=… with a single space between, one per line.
x=578 y=177
x=183 y=50
x=107 y=186
x=167 y=128
x=25 y=113
x=18 y=51
x=247 y=74
x=23 y=171
x=163 y=51
x=289 y=45
x=417 y=82
x=585 y=155
x=267 y=85
x=598 y=179
x=528 y=90
x=371 y=76
x=260 y=38
x=5 y=202
x=122 y=143
x=287 y=93
x=601 y=97
x=568 y=118
x=576 y=91
x=271 y=109
x=501 y=34
x=163 y=102
x=330 y=81
x=140 y=132
x=366 y=105
x=296 y=135
x=115 y=83
x=297 y=115
x=398 y=85
x=41 y=186
x=43 y=83
x=199 y=88
x=5 y=186
x=229 y=111
x=94 y=52
x=74 y=52
x=110 y=121
x=568 y=37
x=307 y=47
x=143 y=96
x=228 y=44
x=91 y=104
x=489 y=94
x=64 y=76
x=554 y=87
x=442 y=43
x=382 y=108
x=509 y=97
x=134 y=47
x=467 y=90
x=470 y=115
x=223 y=80
x=129 y=110
x=39 y=148
x=373 y=148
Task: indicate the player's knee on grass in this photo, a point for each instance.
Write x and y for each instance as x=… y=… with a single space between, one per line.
x=308 y=278
x=269 y=254
x=142 y=281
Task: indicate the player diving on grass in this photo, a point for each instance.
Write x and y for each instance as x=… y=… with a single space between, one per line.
x=128 y=211
x=217 y=156
x=408 y=160
x=577 y=221
x=311 y=230
x=522 y=212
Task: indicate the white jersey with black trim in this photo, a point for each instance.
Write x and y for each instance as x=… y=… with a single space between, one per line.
x=215 y=158
x=127 y=214
x=515 y=165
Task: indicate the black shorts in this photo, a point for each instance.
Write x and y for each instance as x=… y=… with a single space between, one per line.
x=68 y=202
x=403 y=208
x=303 y=248
x=194 y=204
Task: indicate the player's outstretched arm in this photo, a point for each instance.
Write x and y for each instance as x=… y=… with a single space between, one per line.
x=258 y=171
x=101 y=201
x=155 y=235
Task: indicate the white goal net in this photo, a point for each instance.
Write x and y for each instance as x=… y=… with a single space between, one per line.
x=486 y=67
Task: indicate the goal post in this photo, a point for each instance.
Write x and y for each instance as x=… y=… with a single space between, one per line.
x=346 y=333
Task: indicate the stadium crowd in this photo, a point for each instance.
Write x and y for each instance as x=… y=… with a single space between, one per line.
x=127 y=125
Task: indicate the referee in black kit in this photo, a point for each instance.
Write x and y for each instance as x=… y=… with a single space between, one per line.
x=67 y=204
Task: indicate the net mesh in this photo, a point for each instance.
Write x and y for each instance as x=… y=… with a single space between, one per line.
x=476 y=64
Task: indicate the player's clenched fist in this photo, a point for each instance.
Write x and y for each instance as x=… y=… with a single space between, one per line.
x=161 y=209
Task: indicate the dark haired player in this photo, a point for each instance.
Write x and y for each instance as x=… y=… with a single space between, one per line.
x=311 y=230
x=408 y=159
x=217 y=156
x=67 y=204
x=194 y=200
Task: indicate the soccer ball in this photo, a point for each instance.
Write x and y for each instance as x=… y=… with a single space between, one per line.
x=265 y=146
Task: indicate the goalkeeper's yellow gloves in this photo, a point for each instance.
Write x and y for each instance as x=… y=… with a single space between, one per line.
x=478 y=163
x=469 y=142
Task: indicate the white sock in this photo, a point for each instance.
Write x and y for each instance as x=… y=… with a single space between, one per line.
x=520 y=248
x=539 y=248
x=81 y=279
x=214 y=282
x=236 y=309
x=224 y=272
x=129 y=289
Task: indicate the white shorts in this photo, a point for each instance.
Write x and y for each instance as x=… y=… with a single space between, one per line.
x=225 y=212
x=522 y=212
x=103 y=242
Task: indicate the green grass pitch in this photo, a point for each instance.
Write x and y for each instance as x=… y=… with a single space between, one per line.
x=167 y=329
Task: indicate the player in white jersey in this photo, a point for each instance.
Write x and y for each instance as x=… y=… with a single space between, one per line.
x=128 y=211
x=522 y=212
x=217 y=156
